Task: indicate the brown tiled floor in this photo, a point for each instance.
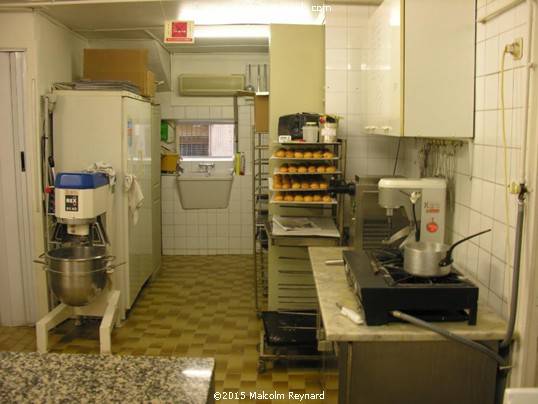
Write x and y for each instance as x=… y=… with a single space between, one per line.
x=197 y=306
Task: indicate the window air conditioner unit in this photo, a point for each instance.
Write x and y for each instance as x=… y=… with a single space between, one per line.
x=206 y=85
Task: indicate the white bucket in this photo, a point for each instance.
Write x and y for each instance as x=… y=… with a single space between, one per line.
x=310 y=134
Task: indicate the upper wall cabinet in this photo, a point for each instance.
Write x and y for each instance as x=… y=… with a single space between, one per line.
x=421 y=69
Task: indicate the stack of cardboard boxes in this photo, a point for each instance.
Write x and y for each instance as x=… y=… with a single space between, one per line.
x=120 y=64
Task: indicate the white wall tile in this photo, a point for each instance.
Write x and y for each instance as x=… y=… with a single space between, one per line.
x=480 y=117
x=336 y=59
x=499 y=212
x=491 y=100
x=179 y=112
x=485 y=240
x=497 y=277
x=335 y=81
x=357 y=37
x=336 y=103
x=489 y=163
x=356 y=59
x=499 y=240
x=484 y=267
x=492 y=57
x=480 y=93
x=379 y=167
x=472 y=258
x=464 y=189
x=168 y=231
x=336 y=37
x=215 y=112
x=227 y=113
x=474 y=222
x=356 y=82
x=180 y=230
x=167 y=206
x=478 y=162
x=222 y=243
x=480 y=58
x=492 y=27
x=167 y=218
x=191 y=112
x=203 y=112
x=463 y=220
x=494 y=301
x=356 y=103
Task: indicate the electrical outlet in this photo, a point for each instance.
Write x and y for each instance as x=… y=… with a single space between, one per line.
x=518 y=49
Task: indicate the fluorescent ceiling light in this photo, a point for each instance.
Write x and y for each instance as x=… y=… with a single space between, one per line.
x=205 y=12
x=231 y=31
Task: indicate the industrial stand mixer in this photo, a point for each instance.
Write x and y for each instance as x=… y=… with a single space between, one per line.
x=80 y=272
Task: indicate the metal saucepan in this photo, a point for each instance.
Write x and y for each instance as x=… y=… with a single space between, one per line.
x=77 y=274
x=428 y=259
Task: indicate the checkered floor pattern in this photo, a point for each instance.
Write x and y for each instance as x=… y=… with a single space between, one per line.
x=198 y=306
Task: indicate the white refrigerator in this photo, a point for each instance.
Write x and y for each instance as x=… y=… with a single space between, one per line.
x=113 y=127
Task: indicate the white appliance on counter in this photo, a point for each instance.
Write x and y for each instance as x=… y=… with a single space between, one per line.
x=113 y=127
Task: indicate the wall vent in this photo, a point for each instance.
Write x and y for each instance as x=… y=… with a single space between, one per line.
x=205 y=85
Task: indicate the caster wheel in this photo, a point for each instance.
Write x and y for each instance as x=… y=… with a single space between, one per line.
x=261 y=367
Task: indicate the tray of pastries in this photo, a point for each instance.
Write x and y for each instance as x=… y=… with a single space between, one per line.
x=306 y=168
x=300 y=153
x=298 y=183
x=302 y=198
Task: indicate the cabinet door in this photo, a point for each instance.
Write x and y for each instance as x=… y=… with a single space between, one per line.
x=439 y=68
x=384 y=85
x=421 y=69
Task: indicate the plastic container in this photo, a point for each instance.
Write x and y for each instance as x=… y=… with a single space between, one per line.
x=310 y=132
x=243 y=164
x=328 y=133
x=169 y=162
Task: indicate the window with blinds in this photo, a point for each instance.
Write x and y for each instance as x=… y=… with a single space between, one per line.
x=204 y=139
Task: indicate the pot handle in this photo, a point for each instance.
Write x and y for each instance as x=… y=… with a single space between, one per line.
x=448 y=257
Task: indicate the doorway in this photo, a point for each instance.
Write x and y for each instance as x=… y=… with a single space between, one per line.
x=17 y=285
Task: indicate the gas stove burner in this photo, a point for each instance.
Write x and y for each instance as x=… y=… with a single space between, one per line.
x=390 y=262
x=381 y=285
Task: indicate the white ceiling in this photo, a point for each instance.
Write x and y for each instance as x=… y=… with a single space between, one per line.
x=133 y=20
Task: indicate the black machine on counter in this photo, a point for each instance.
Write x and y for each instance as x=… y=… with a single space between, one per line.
x=291 y=125
x=375 y=268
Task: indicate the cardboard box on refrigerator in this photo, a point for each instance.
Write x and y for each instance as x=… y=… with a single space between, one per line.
x=120 y=64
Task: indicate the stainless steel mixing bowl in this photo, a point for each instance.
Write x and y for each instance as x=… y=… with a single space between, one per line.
x=77 y=274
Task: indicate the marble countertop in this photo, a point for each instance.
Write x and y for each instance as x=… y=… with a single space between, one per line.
x=52 y=378
x=332 y=288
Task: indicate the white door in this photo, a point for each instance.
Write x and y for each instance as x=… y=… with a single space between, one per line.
x=17 y=290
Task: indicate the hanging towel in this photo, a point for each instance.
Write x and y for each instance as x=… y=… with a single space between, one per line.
x=134 y=191
x=102 y=167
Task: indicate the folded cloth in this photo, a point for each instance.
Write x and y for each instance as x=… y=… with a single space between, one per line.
x=135 y=195
x=102 y=167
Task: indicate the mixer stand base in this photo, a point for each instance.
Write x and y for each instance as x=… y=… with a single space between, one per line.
x=62 y=312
